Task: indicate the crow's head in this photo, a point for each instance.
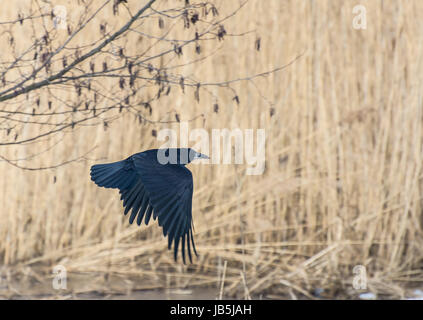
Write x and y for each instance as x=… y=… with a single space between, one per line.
x=181 y=156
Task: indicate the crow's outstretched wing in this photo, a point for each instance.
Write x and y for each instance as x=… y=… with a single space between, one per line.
x=150 y=188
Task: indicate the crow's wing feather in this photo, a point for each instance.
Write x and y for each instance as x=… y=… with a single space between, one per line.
x=170 y=188
x=123 y=176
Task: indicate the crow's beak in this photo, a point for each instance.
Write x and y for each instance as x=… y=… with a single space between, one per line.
x=201 y=156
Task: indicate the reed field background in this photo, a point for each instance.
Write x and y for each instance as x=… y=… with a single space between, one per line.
x=342 y=185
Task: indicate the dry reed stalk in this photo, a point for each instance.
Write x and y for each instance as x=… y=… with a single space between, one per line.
x=343 y=180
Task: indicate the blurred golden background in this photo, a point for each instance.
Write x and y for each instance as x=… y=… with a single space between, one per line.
x=343 y=179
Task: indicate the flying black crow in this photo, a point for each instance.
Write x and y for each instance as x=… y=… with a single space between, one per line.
x=156 y=183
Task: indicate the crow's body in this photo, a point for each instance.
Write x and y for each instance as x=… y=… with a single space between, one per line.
x=150 y=188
